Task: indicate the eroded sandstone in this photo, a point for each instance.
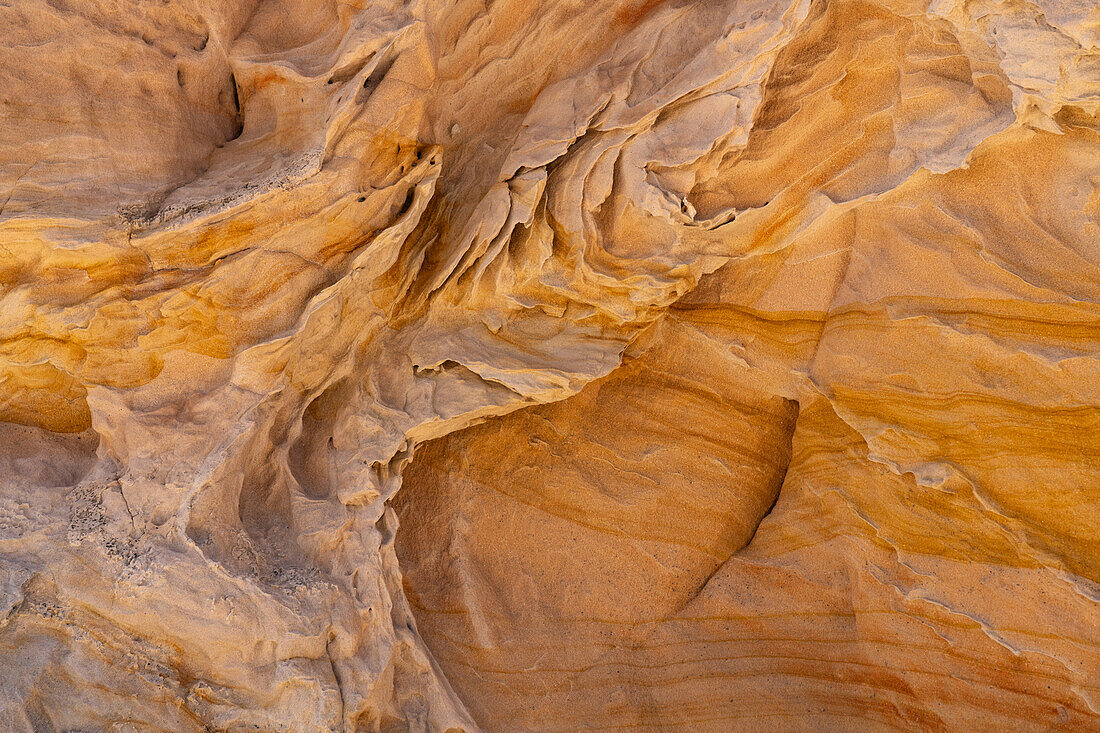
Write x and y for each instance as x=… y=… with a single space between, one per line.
x=547 y=366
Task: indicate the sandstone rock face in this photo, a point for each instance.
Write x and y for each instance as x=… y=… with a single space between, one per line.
x=460 y=365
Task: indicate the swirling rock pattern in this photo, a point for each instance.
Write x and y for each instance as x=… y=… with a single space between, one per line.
x=461 y=365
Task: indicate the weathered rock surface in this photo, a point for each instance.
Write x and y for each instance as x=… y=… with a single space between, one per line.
x=500 y=366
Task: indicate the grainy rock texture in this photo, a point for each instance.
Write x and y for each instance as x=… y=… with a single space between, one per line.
x=455 y=365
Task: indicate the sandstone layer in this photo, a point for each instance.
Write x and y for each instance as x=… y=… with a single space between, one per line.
x=445 y=365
